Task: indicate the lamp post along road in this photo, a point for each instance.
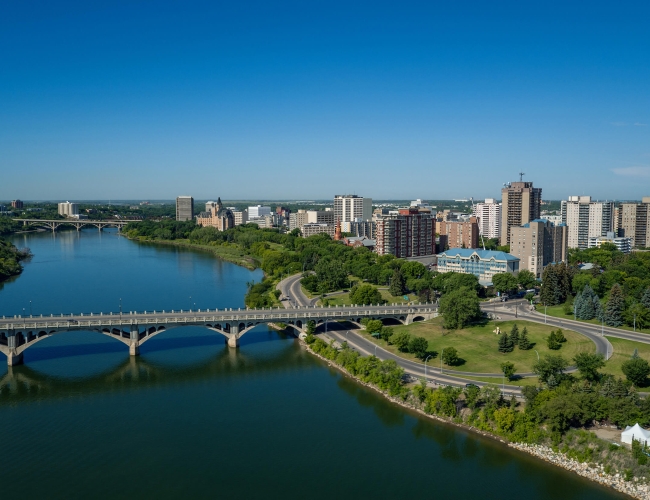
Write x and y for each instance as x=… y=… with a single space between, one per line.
x=425 y=367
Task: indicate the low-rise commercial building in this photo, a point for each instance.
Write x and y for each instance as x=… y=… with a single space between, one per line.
x=538 y=244
x=623 y=243
x=483 y=264
x=310 y=229
x=258 y=211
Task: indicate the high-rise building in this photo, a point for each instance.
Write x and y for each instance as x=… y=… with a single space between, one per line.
x=409 y=233
x=635 y=222
x=349 y=207
x=520 y=203
x=488 y=216
x=458 y=234
x=586 y=219
x=184 y=208
x=537 y=244
x=68 y=209
x=258 y=211
x=359 y=228
x=17 y=204
x=320 y=217
x=297 y=219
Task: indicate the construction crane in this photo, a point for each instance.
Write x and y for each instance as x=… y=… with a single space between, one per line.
x=480 y=226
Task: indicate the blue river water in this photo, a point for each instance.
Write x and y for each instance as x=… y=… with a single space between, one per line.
x=191 y=417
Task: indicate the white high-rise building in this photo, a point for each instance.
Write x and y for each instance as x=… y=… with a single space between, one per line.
x=586 y=219
x=258 y=211
x=68 y=209
x=488 y=216
x=350 y=207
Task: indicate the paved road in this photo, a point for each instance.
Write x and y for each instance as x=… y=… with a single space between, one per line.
x=292 y=294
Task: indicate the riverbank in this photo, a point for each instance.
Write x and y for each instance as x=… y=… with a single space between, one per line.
x=229 y=254
x=593 y=472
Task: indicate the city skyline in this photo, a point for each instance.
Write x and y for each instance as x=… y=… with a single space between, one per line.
x=288 y=100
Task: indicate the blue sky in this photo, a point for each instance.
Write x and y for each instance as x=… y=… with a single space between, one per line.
x=304 y=100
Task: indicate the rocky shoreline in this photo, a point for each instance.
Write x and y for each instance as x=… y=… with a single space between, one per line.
x=597 y=474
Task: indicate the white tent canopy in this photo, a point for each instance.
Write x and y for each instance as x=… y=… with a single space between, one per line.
x=637 y=433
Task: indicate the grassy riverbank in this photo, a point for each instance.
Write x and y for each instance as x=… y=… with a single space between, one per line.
x=535 y=422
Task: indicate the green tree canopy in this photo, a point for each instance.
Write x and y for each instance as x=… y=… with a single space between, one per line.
x=504 y=282
x=450 y=356
x=508 y=369
x=636 y=370
x=526 y=278
x=588 y=364
x=459 y=308
x=365 y=294
x=551 y=365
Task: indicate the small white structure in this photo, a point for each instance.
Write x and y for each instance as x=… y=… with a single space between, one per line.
x=637 y=433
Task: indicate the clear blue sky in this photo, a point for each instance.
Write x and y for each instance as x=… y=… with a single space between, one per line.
x=303 y=100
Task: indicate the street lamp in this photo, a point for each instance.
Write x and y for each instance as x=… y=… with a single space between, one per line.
x=634 y=319
x=375 y=350
x=425 y=367
x=30 y=309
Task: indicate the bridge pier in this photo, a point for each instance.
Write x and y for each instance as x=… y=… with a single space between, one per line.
x=13 y=358
x=233 y=338
x=134 y=346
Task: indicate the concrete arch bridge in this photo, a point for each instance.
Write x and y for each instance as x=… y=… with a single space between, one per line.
x=54 y=224
x=18 y=333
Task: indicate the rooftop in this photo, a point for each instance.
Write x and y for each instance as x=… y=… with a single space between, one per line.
x=482 y=254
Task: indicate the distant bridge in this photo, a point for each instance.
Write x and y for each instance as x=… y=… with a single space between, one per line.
x=17 y=333
x=54 y=224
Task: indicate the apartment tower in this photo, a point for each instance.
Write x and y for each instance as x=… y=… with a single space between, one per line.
x=520 y=203
x=488 y=215
x=586 y=219
x=634 y=222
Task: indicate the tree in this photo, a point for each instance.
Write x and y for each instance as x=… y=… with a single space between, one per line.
x=505 y=343
x=504 y=282
x=615 y=306
x=386 y=333
x=450 y=356
x=508 y=369
x=418 y=346
x=397 y=285
x=636 y=370
x=556 y=283
x=552 y=342
x=401 y=341
x=514 y=334
x=550 y=365
x=459 y=308
x=365 y=294
x=374 y=326
x=330 y=274
x=588 y=365
x=645 y=300
x=559 y=335
x=472 y=392
x=526 y=278
x=524 y=343
x=637 y=315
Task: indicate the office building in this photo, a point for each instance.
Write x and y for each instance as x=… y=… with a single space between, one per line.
x=184 y=208
x=297 y=219
x=217 y=216
x=483 y=264
x=457 y=234
x=17 y=204
x=520 y=203
x=586 y=219
x=623 y=243
x=320 y=216
x=258 y=211
x=408 y=233
x=635 y=222
x=68 y=209
x=240 y=216
x=350 y=207
x=488 y=217
x=283 y=211
x=310 y=229
x=537 y=244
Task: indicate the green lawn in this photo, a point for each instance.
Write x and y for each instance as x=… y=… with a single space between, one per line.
x=477 y=345
x=622 y=351
x=498 y=381
x=558 y=312
x=344 y=298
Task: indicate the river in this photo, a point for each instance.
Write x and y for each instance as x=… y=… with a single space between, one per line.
x=190 y=417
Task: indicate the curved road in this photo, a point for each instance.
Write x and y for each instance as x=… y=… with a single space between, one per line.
x=293 y=296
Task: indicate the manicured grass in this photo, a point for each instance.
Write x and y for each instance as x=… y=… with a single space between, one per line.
x=477 y=345
x=344 y=298
x=558 y=312
x=498 y=381
x=623 y=350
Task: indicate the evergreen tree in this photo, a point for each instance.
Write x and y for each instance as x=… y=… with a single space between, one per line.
x=559 y=335
x=524 y=343
x=514 y=335
x=577 y=304
x=556 y=284
x=552 y=342
x=586 y=310
x=645 y=300
x=615 y=307
x=505 y=343
x=598 y=308
x=397 y=285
